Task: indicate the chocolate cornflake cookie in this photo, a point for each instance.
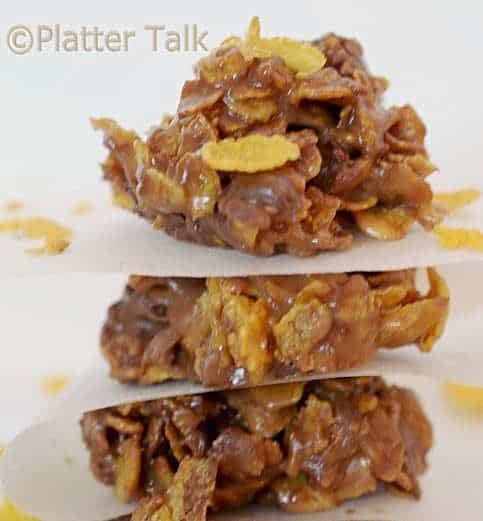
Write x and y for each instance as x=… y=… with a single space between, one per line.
x=245 y=331
x=277 y=145
x=303 y=447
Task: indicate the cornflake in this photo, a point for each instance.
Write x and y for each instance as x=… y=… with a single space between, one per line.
x=56 y=237
x=457 y=238
x=249 y=154
x=455 y=200
x=465 y=396
x=386 y=224
x=8 y=512
x=300 y=57
x=438 y=289
x=118 y=134
x=122 y=199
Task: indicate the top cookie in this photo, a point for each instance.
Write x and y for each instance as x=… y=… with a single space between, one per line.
x=277 y=146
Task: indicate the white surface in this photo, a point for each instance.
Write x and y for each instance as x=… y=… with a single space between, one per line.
x=113 y=240
x=94 y=390
x=59 y=487
x=50 y=325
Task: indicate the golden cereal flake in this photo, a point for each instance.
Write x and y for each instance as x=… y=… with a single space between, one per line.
x=13 y=206
x=122 y=199
x=82 y=208
x=54 y=384
x=385 y=224
x=2 y=450
x=300 y=57
x=166 y=120
x=453 y=201
x=438 y=288
x=249 y=154
x=154 y=375
x=8 y=512
x=254 y=31
x=457 y=238
x=56 y=237
x=465 y=396
x=128 y=469
x=357 y=206
x=119 y=135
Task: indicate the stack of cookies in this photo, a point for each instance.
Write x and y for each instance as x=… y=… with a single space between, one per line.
x=277 y=146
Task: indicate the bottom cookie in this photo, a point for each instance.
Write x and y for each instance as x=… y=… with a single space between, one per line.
x=303 y=447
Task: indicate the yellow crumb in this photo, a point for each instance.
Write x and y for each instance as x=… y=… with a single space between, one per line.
x=457 y=238
x=122 y=199
x=249 y=154
x=55 y=384
x=455 y=200
x=8 y=512
x=2 y=450
x=82 y=208
x=157 y=223
x=56 y=237
x=13 y=206
x=465 y=396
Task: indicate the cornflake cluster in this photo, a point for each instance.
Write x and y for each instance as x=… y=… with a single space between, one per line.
x=238 y=331
x=277 y=146
x=304 y=447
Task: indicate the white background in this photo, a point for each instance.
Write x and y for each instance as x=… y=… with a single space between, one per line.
x=431 y=51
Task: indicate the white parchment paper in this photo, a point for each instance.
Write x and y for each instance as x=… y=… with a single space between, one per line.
x=113 y=240
x=45 y=472
x=94 y=390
